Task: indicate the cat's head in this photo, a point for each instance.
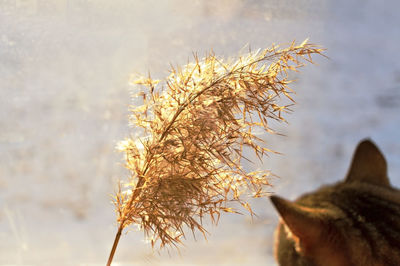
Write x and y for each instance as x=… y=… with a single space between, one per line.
x=313 y=230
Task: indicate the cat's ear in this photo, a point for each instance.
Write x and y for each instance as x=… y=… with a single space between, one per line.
x=368 y=165
x=304 y=223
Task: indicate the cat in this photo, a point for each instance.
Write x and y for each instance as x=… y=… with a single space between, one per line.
x=352 y=222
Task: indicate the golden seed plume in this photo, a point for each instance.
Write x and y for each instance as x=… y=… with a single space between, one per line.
x=195 y=126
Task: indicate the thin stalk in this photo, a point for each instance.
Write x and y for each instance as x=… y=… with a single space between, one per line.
x=114 y=247
x=121 y=225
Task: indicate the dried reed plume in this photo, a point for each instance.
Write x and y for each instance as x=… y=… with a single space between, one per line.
x=188 y=163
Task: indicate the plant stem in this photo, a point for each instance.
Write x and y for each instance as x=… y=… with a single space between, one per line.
x=114 y=247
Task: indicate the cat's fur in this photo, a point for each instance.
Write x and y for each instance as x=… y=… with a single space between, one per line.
x=353 y=222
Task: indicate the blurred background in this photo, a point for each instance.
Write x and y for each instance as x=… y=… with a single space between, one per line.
x=64 y=72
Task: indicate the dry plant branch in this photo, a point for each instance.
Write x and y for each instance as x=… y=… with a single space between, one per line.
x=196 y=126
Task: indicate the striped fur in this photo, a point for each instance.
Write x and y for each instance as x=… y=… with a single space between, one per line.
x=353 y=222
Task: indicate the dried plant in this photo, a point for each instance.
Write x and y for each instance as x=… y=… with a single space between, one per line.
x=196 y=126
